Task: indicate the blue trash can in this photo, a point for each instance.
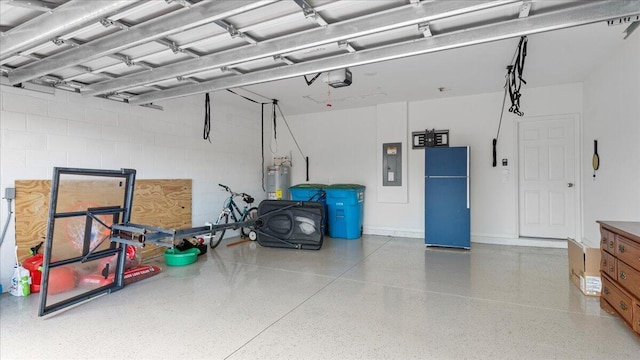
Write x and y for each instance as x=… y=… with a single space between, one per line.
x=311 y=192
x=346 y=210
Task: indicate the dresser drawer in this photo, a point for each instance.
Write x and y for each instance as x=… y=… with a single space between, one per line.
x=607 y=240
x=636 y=317
x=628 y=251
x=629 y=278
x=608 y=265
x=620 y=301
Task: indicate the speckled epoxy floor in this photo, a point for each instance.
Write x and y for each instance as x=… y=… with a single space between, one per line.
x=373 y=298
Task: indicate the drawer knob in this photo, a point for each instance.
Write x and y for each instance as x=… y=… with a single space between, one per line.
x=611 y=269
x=606 y=290
x=621 y=248
x=611 y=243
x=623 y=306
x=623 y=276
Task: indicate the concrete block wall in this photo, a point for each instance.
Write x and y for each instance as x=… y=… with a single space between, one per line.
x=39 y=131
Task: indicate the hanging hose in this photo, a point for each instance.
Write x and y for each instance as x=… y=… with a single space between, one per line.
x=207 y=118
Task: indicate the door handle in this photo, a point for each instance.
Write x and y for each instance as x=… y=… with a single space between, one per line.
x=569 y=184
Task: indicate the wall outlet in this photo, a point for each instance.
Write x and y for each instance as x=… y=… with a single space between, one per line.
x=10 y=193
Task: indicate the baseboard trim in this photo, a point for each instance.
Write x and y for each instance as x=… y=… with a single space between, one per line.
x=480 y=239
x=393 y=232
x=531 y=242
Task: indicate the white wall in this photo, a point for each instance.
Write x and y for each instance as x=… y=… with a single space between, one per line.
x=612 y=116
x=342 y=148
x=39 y=131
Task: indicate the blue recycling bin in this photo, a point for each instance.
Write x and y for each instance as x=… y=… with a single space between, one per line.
x=346 y=210
x=311 y=192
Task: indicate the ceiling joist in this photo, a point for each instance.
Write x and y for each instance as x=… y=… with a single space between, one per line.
x=186 y=18
x=31 y=4
x=341 y=31
x=63 y=19
x=578 y=15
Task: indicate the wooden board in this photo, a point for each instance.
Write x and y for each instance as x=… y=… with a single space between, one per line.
x=160 y=203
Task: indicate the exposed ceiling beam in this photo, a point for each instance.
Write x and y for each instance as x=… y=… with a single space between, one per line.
x=65 y=18
x=31 y=4
x=187 y=46
x=405 y=16
x=575 y=16
x=180 y=20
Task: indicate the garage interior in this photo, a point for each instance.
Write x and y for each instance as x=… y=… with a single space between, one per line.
x=192 y=94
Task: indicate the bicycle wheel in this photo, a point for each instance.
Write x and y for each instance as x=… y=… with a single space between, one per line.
x=251 y=214
x=217 y=236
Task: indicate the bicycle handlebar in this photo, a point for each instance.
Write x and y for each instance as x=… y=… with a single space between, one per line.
x=234 y=193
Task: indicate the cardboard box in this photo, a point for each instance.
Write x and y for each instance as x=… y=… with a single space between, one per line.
x=584 y=267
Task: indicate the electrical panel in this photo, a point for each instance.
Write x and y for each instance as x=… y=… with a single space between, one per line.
x=392 y=164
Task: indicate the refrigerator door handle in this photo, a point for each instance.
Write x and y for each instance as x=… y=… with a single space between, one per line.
x=467 y=192
x=468 y=175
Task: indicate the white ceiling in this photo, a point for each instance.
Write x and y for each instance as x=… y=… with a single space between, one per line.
x=557 y=57
x=186 y=47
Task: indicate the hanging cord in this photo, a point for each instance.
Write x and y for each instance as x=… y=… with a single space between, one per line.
x=274 y=140
x=262 y=104
x=514 y=72
x=275 y=103
x=306 y=158
x=244 y=97
x=207 y=118
x=513 y=83
x=495 y=140
x=309 y=82
x=262 y=142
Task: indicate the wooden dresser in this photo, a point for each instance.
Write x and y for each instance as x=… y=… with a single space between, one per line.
x=620 y=269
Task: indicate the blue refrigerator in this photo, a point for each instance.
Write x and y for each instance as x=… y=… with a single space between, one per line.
x=447 y=215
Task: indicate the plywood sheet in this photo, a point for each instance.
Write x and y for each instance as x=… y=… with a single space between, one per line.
x=160 y=203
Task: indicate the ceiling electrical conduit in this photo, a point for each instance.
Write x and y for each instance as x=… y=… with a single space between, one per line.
x=6 y=225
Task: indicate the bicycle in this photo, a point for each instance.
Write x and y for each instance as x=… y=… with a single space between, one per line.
x=231 y=209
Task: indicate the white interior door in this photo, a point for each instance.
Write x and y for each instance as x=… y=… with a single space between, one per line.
x=547 y=174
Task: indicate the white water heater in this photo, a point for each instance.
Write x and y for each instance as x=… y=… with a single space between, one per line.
x=278 y=182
